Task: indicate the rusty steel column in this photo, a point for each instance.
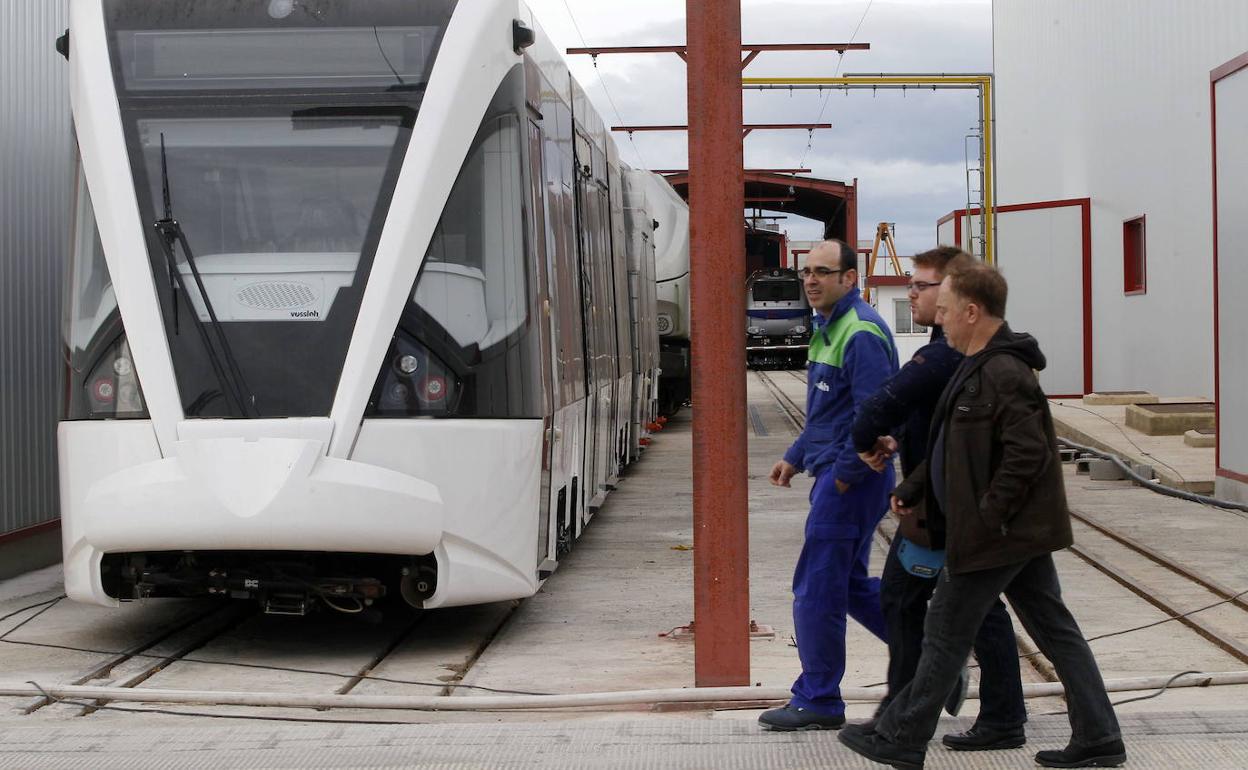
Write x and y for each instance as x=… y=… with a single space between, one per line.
x=721 y=591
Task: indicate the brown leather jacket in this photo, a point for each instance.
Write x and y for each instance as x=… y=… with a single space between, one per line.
x=1004 y=498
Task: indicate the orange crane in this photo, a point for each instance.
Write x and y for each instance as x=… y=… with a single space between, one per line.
x=883 y=236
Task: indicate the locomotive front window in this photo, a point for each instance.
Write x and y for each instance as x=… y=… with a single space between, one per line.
x=777 y=291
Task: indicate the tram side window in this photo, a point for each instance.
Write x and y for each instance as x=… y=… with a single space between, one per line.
x=91 y=301
x=473 y=281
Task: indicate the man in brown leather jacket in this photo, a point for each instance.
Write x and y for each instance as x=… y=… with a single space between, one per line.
x=993 y=490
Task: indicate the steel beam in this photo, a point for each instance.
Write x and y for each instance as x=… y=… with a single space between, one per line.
x=721 y=586
x=747 y=171
x=748 y=127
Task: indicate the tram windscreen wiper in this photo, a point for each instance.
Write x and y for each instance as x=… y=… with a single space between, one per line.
x=224 y=365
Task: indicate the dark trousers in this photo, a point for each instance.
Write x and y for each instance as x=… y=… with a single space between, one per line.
x=904 y=598
x=958 y=608
x=831 y=582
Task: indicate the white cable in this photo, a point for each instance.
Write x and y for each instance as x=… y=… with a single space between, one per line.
x=527 y=702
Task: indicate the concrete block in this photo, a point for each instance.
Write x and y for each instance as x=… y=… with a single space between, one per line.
x=1081 y=465
x=1170 y=419
x=1120 y=398
x=1200 y=438
x=1105 y=470
x=1144 y=470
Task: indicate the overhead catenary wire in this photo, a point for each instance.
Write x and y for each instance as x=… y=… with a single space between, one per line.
x=603 y=81
x=840 y=59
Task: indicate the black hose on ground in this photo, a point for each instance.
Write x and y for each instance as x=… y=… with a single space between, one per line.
x=1149 y=483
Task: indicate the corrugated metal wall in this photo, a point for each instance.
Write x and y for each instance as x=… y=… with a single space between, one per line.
x=35 y=196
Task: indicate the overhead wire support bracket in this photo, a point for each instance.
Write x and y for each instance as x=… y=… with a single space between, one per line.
x=751 y=50
x=982 y=82
x=746 y=128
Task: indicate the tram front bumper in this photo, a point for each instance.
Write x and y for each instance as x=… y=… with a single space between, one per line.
x=226 y=494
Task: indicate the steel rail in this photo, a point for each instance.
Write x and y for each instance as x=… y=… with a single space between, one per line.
x=1209 y=584
x=102 y=669
x=795 y=414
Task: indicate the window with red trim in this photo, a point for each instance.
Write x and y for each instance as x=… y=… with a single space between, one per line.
x=1134 y=273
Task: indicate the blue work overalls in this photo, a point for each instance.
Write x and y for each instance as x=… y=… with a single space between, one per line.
x=851 y=355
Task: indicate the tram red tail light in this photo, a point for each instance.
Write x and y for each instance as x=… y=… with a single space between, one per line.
x=102 y=390
x=112 y=389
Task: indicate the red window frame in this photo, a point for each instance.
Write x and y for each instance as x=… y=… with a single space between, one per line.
x=1134 y=257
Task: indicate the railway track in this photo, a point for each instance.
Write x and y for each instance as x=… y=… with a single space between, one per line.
x=1143 y=570
x=207 y=649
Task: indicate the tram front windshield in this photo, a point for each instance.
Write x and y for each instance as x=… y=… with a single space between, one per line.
x=266 y=138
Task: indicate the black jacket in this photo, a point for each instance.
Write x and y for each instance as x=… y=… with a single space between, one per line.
x=1003 y=493
x=907 y=401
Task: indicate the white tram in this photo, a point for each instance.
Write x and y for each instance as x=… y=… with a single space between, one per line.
x=360 y=303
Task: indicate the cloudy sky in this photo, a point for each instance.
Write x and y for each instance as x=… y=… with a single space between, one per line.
x=906 y=150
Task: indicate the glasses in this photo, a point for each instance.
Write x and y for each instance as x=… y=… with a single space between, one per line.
x=818 y=272
x=919 y=287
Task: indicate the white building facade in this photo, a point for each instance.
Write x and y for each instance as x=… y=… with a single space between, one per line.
x=1111 y=101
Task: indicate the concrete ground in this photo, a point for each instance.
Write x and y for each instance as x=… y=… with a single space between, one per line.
x=1105 y=428
x=600 y=624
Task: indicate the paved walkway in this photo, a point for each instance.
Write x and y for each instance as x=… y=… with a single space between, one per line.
x=1216 y=741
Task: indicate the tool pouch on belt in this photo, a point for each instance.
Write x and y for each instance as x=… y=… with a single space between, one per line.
x=914 y=527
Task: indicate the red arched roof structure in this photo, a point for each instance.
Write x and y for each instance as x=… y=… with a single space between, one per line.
x=833 y=203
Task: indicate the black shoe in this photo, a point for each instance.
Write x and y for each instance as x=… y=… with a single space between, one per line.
x=981 y=738
x=874 y=747
x=1111 y=754
x=957 y=696
x=790 y=717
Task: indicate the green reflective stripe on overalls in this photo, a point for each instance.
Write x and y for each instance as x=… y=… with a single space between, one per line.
x=827 y=346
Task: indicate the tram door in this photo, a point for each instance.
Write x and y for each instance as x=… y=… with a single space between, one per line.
x=541 y=255
x=586 y=216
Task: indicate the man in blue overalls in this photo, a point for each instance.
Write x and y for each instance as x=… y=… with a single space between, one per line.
x=851 y=355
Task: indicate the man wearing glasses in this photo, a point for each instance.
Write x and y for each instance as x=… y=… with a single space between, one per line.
x=851 y=355
x=909 y=400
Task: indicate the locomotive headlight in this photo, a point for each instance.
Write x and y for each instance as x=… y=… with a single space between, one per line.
x=799 y=329
x=280 y=9
x=408 y=364
x=754 y=330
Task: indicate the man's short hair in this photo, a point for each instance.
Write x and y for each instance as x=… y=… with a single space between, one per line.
x=941 y=257
x=848 y=257
x=982 y=284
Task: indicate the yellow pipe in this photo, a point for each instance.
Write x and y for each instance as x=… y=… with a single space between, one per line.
x=983 y=83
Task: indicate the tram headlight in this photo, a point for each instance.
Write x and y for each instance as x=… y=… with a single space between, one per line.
x=112 y=387
x=799 y=329
x=407 y=364
x=414 y=382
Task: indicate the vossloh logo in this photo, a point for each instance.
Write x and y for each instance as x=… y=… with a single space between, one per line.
x=305 y=314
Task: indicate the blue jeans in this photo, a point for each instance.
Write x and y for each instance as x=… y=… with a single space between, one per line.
x=831 y=582
x=957 y=610
x=904 y=597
